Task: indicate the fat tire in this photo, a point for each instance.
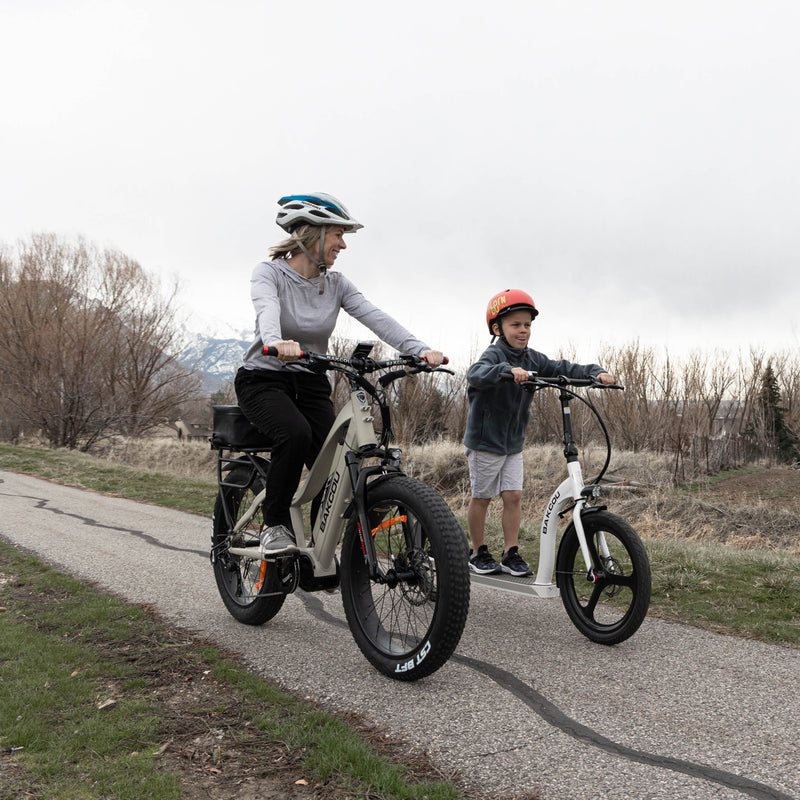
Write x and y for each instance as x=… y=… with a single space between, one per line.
x=409 y=631
x=237 y=577
x=610 y=610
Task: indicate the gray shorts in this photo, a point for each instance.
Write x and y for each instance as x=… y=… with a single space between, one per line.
x=491 y=473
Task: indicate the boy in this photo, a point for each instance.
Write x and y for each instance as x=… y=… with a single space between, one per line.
x=496 y=421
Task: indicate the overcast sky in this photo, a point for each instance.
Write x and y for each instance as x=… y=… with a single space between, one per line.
x=633 y=165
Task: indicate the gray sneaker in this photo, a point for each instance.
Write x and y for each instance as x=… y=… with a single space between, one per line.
x=514 y=564
x=482 y=563
x=277 y=540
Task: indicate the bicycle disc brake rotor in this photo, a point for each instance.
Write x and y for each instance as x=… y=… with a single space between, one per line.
x=423 y=587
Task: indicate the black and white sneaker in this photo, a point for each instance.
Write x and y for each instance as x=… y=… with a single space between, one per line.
x=277 y=540
x=514 y=564
x=482 y=563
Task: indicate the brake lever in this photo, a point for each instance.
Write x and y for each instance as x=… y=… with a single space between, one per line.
x=421 y=365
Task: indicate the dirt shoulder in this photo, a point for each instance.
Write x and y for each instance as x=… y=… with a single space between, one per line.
x=778 y=486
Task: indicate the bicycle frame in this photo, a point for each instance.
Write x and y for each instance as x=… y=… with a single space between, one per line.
x=351 y=439
x=401 y=570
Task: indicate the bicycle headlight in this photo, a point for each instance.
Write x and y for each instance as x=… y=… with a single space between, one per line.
x=393 y=455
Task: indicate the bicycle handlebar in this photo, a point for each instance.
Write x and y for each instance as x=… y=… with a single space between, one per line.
x=361 y=364
x=560 y=380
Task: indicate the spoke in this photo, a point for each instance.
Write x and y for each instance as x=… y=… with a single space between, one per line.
x=597 y=590
x=615 y=579
x=401 y=612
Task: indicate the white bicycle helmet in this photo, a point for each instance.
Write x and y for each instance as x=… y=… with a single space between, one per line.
x=314 y=209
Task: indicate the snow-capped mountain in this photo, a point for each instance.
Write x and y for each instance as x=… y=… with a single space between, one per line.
x=212 y=328
x=216 y=359
x=214 y=349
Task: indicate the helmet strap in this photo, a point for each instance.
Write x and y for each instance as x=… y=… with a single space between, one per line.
x=320 y=262
x=501 y=335
x=495 y=335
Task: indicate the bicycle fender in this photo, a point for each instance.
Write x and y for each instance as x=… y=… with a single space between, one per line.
x=362 y=483
x=592 y=510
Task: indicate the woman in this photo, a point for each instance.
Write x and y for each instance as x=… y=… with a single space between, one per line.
x=297 y=302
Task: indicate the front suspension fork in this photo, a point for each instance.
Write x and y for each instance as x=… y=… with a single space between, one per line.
x=592 y=569
x=358 y=480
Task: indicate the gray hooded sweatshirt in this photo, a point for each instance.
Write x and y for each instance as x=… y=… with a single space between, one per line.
x=290 y=307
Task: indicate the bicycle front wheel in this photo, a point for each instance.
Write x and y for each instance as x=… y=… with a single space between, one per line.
x=611 y=606
x=409 y=622
x=250 y=588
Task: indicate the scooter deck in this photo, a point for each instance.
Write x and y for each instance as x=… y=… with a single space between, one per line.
x=517 y=585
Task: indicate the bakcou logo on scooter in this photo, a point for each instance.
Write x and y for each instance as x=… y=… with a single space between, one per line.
x=550 y=506
x=327 y=503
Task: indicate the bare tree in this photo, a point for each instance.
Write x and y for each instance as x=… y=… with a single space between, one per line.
x=88 y=343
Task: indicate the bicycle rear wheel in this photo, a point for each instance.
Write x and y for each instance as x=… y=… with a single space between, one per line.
x=410 y=623
x=610 y=608
x=250 y=588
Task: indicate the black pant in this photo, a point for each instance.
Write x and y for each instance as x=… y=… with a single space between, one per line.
x=295 y=410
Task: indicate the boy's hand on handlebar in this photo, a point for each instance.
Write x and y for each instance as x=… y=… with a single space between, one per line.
x=605 y=378
x=520 y=374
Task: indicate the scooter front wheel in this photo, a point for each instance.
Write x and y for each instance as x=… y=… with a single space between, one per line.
x=608 y=603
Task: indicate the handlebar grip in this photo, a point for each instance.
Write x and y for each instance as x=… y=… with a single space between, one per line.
x=445 y=359
x=508 y=376
x=268 y=350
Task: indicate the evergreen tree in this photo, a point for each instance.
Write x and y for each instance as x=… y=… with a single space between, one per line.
x=772 y=413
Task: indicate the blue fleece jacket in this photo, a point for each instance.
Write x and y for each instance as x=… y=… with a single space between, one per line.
x=499 y=410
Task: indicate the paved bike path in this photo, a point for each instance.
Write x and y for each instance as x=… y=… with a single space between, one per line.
x=525 y=703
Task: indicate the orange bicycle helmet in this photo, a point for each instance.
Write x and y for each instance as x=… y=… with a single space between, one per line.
x=509 y=300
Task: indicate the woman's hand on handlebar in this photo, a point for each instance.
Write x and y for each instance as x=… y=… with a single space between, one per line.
x=434 y=358
x=288 y=350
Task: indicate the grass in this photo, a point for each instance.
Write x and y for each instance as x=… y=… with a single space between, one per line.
x=720 y=477
x=70 y=468
x=750 y=593
x=96 y=695
x=66 y=742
